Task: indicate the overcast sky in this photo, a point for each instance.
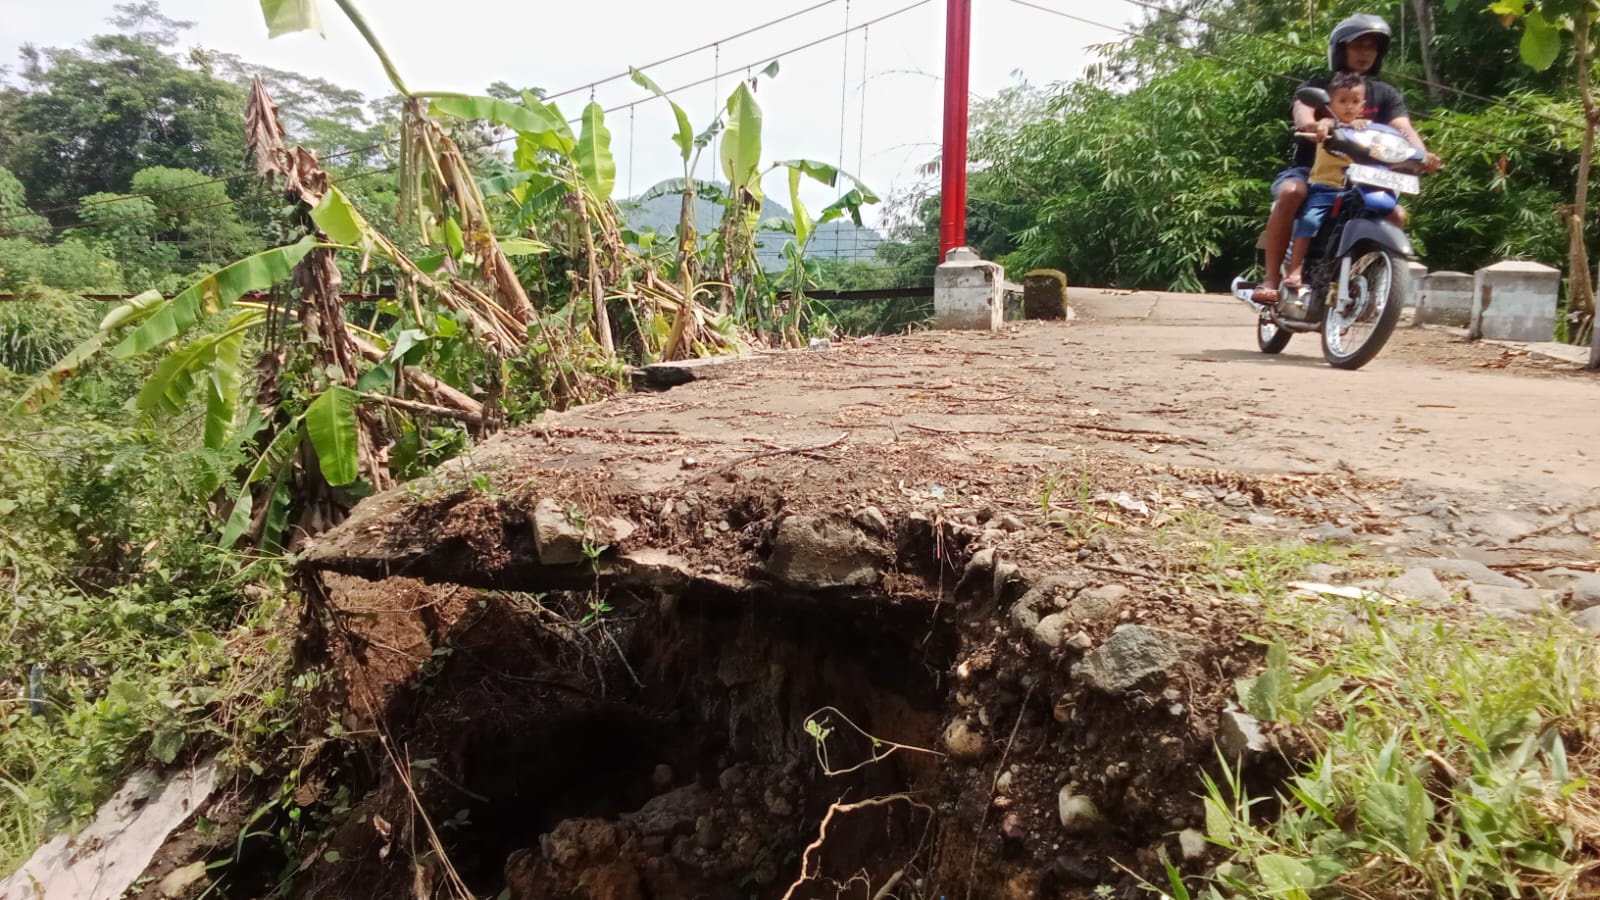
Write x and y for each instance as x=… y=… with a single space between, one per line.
x=464 y=45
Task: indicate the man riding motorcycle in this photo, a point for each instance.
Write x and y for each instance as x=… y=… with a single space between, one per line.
x=1358 y=44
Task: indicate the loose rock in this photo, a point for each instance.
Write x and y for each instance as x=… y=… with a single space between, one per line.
x=1506 y=602
x=608 y=531
x=981 y=562
x=1078 y=813
x=1588 y=619
x=1586 y=593
x=1013 y=828
x=1470 y=569
x=812 y=553
x=1098 y=605
x=872 y=519
x=1193 y=844
x=964 y=742
x=674 y=812
x=1133 y=654
x=1002 y=784
x=1331 y=533
x=1051 y=630
x=707 y=836
x=1239 y=734
x=1327 y=572
x=662 y=778
x=1418 y=584
x=1006 y=579
x=557 y=540
x=1032 y=606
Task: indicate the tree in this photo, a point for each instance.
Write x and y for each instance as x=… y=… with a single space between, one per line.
x=15 y=217
x=70 y=265
x=85 y=120
x=126 y=229
x=146 y=21
x=344 y=127
x=196 y=212
x=1544 y=23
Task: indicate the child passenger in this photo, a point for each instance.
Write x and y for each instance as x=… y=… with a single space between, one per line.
x=1348 y=97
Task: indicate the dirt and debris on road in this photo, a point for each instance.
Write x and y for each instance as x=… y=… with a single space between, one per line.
x=934 y=615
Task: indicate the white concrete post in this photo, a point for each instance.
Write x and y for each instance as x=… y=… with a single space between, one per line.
x=1515 y=301
x=1445 y=299
x=968 y=292
x=1416 y=272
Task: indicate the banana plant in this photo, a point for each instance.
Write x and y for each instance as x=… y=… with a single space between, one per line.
x=741 y=166
x=739 y=123
x=690 y=146
x=572 y=178
x=208 y=362
x=46 y=389
x=791 y=316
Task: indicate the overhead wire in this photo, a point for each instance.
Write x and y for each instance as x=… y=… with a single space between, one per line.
x=861 y=128
x=503 y=140
x=844 y=88
x=700 y=49
x=372 y=148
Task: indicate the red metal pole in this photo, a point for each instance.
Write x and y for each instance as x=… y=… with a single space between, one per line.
x=953 y=164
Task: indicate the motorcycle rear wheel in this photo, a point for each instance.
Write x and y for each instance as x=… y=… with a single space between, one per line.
x=1271 y=337
x=1355 y=331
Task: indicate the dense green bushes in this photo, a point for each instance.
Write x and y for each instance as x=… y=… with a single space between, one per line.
x=1155 y=171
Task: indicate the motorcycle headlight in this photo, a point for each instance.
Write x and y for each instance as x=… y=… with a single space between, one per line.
x=1388 y=148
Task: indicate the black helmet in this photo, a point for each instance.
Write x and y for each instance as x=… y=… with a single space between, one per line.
x=1349 y=30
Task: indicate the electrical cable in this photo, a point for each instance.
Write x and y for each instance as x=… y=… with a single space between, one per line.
x=861 y=128
x=223 y=179
x=493 y=143
x=844 y=88
x=700 y=49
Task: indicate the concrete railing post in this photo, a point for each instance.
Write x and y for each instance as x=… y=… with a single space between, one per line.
x=1515 y=301
x=968 y=292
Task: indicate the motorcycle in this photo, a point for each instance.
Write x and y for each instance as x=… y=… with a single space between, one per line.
x=1356 y=280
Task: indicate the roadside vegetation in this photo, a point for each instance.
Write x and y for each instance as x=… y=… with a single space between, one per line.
x=1436 y=751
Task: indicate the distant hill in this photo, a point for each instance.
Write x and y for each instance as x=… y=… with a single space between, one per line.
x=839 y=238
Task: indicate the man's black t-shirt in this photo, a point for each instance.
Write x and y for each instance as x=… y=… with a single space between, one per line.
x=1384 y=105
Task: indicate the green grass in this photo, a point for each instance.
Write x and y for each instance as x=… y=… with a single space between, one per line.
x=1066 y=501
x=1206 y=551
x=1450 y=755
x=139 y=675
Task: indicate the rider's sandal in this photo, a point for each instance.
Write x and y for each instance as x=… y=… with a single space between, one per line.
x=1264 y=295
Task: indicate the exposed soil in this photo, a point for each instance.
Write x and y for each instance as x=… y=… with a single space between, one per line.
x=849 y=623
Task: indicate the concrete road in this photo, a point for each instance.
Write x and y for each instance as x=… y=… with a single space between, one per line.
x=1430 y=408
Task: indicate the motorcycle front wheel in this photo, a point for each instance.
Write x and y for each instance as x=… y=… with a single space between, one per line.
x=1270 y=337
x=1355 y=330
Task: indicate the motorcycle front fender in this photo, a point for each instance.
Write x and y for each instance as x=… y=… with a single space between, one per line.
x=1385 y=234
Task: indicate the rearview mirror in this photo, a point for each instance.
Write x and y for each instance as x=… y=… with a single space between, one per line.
x=1314 y=97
